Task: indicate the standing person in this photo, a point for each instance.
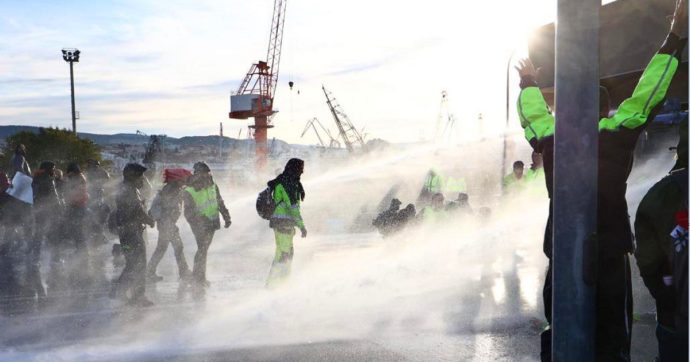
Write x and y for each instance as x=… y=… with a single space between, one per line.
x=76 y=200
x=166 y=210
x=655 y=222
x=46 y=206
x=16 y=222
x=132 y=219
x=433 y=184
x=98 y=209
x=617 y=138
x=18 y=162
x=203 y=206
x=288 y=193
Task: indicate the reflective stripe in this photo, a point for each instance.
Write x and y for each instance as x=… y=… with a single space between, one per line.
x=535 y=117
x=284 y=209
x=649 y=92
x=206 y=201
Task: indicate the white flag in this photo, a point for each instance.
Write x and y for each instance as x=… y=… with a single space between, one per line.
x=21 y=188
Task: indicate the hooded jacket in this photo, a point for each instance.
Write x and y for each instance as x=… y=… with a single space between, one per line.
x=288 y=193
x=193 y=212
x=45 y=193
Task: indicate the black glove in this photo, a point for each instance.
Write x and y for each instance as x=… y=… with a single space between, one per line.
x=228 y=223
x=304 y=232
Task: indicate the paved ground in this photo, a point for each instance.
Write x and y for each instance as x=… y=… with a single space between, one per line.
x=348 y=303
x=471 y=291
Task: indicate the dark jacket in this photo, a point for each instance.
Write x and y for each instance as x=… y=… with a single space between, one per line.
x=18 y=164
x=654 y=222
x=615 y=160
x=386 y=222
x=170 y=202
x=97 y=178
x=131 y=213
x=192 y=214
x=75 y=190
x=45 y=193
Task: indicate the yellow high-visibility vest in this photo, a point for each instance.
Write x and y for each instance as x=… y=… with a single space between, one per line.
x=206 y=201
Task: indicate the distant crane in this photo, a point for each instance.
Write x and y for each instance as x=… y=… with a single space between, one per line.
x=255 y=96
x=447 y=119
x=347 y=130
x=333 y=143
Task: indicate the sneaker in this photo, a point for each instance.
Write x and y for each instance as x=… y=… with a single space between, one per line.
x=154 y=278
x=204 y=283
x=186 y=276
x=140 y=302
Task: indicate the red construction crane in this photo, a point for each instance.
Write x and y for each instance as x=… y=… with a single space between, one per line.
x=255 y=96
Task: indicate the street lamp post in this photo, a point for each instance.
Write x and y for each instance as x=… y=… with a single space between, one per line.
x=71 y=56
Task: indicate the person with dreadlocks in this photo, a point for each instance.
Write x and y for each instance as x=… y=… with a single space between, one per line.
x=288 y=193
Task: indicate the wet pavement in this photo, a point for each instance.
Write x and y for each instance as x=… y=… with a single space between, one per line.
x=359 y=306
x=466 y=292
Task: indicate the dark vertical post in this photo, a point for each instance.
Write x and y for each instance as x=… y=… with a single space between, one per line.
x=74 y=112
x=575 y=176
x=505 y=132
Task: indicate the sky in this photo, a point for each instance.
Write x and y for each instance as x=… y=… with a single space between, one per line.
x=168 y=67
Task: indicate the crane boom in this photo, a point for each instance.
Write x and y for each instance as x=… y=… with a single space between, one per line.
x=275 y=43
x=347 y=130
x=255 y=96
x=310 y=123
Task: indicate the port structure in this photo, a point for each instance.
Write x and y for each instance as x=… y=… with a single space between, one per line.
x=256 y=94
x=311 y=124
x=349 y=134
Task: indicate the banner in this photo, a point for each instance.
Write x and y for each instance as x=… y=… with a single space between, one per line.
x=21 y=188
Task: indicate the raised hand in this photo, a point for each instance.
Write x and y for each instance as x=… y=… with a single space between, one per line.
x=526 y=69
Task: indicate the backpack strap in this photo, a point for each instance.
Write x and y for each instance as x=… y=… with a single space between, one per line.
x=680 y=177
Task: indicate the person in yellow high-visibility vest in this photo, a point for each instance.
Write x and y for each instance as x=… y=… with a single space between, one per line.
x=618 y=134
x=203 y=206
x=516 y=180
x=288 y=193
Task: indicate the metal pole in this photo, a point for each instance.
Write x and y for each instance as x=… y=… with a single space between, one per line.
x=505 y=131
x=74 y=113
x=575 y=176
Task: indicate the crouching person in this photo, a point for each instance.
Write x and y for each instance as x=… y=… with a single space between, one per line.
x=131 y=223
x=202 y=207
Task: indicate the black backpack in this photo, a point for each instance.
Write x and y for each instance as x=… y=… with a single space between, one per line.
x=265 y=204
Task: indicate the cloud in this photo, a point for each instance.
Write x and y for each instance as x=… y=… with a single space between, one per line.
x=28 y=81
x=171 y=64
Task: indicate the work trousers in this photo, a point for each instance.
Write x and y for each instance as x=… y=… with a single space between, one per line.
x=133 y=277
x=168 y=233
x=43 y=230
x=613 y=310
x=203 y=236
x=282 y=260
x=75 y=219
